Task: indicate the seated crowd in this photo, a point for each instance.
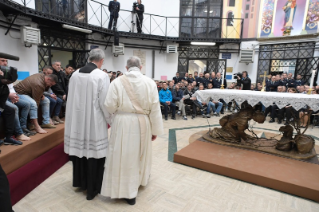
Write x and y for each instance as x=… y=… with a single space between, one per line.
x=47 y=89
x=178 y=95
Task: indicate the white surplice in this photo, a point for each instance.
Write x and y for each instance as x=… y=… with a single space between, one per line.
x=86 y=129
x=125 y=170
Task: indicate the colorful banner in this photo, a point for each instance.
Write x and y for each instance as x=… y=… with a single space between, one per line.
x=266 y=18
x=312 y=19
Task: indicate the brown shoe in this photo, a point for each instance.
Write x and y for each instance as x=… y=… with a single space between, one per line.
x=50 y=126
x=57 y=119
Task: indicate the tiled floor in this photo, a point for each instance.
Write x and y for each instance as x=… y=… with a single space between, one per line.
x=173 y=187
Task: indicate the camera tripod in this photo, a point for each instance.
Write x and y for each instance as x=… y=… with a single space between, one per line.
x=133 y=13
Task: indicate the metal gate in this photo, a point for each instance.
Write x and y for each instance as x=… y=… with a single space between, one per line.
x=63 y=41
x=80 y=58
x=210 y=54
x=216 y=65
x=296 y=58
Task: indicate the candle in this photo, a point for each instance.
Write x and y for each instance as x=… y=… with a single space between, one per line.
x=312 y=78
x=223 y=77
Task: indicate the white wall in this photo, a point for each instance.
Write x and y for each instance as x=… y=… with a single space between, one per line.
x=12 y=45
x=251 y=68
x=62 y=56
x=165 y=64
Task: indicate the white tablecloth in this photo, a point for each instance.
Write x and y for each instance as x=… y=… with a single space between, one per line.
x=296 y=100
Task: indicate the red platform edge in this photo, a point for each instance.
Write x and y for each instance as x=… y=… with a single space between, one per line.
x=23 y=180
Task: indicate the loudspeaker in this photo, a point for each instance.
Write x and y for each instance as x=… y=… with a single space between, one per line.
x=116 y=38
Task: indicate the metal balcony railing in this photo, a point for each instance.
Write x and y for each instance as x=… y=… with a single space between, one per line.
x=96 y=14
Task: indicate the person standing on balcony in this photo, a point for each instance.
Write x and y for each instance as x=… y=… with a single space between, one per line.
x=139 y=21
x=114 y=8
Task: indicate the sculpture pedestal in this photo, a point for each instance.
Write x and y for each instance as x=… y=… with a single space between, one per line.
x=283 y=174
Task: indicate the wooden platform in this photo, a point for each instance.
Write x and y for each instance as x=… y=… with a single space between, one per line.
x=283 y=174
x=14 y=157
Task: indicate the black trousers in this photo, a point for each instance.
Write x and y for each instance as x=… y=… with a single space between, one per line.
x=5 y=201
x=8 y=116
x=112 y=19
x=191 y=102
x=139 y=24
x=172 y=106
x=88 y=174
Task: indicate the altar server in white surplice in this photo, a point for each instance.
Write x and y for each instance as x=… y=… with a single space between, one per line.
x=86 y=124
x=133 y=98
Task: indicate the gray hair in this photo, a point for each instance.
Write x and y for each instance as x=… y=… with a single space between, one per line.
x=96 y=55
x=56 y=62
x=134 y=62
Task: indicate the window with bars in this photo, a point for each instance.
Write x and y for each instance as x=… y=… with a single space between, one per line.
x=231 y=3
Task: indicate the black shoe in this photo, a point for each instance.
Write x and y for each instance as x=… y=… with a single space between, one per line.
x=221 y=112
x=166 y=118
x=271 y=121
x=279 y=121
x=30 y=133
x=174 y=118
x=91 y=197
x=193 y=116
x=131 y=201
x=12 y=141
x=286 y=123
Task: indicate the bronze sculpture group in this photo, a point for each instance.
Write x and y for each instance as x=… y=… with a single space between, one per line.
x=232 y=132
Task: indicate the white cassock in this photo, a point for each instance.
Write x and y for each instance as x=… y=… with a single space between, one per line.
x=86 y=130
x=125 y=167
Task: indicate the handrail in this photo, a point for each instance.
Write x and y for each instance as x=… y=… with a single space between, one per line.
x=131 y=10
x=95 y=15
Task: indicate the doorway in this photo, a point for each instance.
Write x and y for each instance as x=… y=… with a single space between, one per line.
x=197 y=65
x=65 y=57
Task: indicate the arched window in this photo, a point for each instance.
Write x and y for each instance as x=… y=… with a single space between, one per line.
x=231 y=3
x=230 y=18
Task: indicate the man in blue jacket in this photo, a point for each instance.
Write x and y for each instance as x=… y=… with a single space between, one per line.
x=166 y=99
x=114 y=8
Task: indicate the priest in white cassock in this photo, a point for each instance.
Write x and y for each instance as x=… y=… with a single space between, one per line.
x=133 y=98
x=86 y=124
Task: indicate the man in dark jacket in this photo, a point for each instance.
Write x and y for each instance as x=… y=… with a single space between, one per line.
x=217 y=82
x=114 y=8
x=177 y=79
x=179 y=101
x=245 y=81
x=299 y=81
x=139 y=21
x=290 y=81
x=272 y=85
x=60 y=89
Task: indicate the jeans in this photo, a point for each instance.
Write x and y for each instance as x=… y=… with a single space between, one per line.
x=172 y=106
x=34 y=108
x=213 y=106
x=55 y=105
x=20 y=123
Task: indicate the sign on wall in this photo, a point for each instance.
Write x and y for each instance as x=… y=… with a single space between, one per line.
x=142 y=55
x=226 y=55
